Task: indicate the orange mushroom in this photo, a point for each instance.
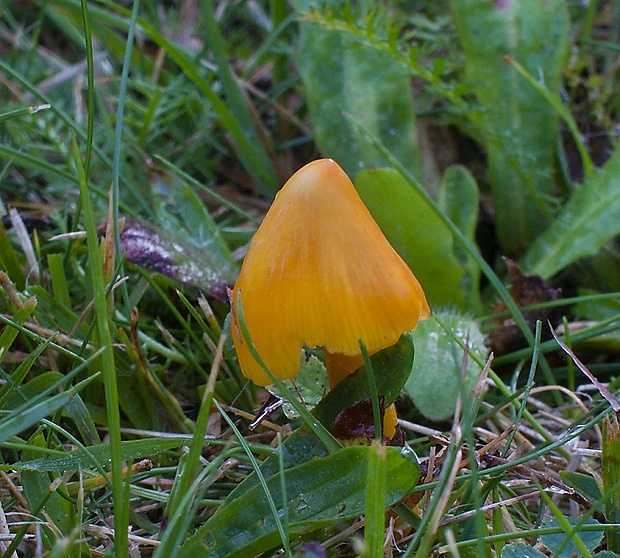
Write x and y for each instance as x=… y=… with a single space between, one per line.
x=319 y=272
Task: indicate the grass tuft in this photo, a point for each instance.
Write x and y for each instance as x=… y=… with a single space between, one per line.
x=141 y=145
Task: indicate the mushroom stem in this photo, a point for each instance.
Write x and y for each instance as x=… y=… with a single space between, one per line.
x=340 y=366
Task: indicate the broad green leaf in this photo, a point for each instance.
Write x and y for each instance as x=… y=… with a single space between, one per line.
x=591 y=539
x=435 y=381
x=197 y=220
x=520 y=129
x=60 y=286
x=311 y=384
x=391 y=366
x=136 y=397
x=596 y=310
x=416 y=233
x=586 y=485
x=14 y=394
x=187 y=246
x=590 y=218
x=521 y=551
x=341 y=75
x=458 y=199
x=321 y=492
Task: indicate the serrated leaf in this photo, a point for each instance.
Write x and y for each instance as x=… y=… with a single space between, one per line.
x=416 y=233
x=520 y=129
x=320 y=492
x=590 y=218
x=342 y=75
x=435 y=380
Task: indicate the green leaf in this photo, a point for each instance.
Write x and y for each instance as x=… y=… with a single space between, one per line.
x=435 y=380
x=391 y=366
x=83 y=459
x=591 y=539
x=199 y=223
x=600 y=309
x=458 y=200
x=250 y=149
x=586 y=485
x=341 y=75
x=303 y=446
x=137 y=401
x=519 y=127
x=590 y=218
x=311 y=384
x=521 y=551
x=374 y=526
x=416 y=233
x=24 y=395
x=320 y=491
x=9 y=392
x=246 y=143
x=10 y=333
x=36 y=485
x=9 y=262
x=60 y=286
x=31 y=412
x=187 y=246
x=83 y=420
x=611 y=477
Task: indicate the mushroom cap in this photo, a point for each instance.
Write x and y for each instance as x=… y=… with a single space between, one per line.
x=319 y=272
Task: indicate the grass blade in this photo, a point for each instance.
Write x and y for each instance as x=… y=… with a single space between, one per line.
x=121 y=501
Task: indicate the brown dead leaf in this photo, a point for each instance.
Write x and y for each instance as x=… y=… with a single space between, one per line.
x=525 y=290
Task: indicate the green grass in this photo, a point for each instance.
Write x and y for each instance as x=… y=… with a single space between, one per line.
x=124 y=416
